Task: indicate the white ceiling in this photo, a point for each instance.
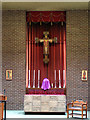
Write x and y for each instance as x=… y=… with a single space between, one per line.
x=44 y=6
x=44 y=0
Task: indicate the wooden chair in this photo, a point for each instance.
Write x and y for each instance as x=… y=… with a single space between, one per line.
x=77 y=105
x=2 y=98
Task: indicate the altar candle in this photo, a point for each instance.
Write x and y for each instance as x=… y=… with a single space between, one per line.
x=63 y=74
x=34 y=75
x=29 y=80
x=38 y=74
x=55 y=78
x=34 y=79
x=38 y=77
x=29 y=75
x=55 y=75
x=59 y=74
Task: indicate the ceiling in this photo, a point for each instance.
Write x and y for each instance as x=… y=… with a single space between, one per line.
x=44 y=6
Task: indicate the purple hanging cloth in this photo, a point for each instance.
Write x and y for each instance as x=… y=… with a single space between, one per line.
x=45 y=84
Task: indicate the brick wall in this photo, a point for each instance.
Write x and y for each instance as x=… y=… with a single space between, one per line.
x=13 y=56
x=77 y=54
x=0 y=48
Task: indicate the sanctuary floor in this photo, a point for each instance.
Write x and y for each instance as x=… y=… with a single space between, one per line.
x=21 y=114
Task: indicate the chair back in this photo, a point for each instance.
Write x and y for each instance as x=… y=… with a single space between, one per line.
x=78 y=103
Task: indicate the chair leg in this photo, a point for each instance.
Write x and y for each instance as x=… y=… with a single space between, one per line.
x=67 y=114
x=72 y=113
x=82 y=114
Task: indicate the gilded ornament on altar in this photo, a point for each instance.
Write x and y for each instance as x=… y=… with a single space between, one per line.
x=46 y=42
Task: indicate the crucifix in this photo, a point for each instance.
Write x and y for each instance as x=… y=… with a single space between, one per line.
x=46 y=42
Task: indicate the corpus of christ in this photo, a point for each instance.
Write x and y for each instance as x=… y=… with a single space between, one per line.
x=46 y=42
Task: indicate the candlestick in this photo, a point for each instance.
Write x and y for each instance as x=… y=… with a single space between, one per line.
x=63 y=83
x=55 y=78
x=52 y=85
x=38 y=77
x=59 y=80
x=59 y=74
x=29 y=80
x=34 y=79
x=63 y=74
x=63 y=78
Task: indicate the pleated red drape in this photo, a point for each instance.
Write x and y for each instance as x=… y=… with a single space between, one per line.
x=34 y=53
x=46 y=16
x=27 y=64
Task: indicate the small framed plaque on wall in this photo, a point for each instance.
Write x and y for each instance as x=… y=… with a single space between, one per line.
x=8 y=74
x=84 y=75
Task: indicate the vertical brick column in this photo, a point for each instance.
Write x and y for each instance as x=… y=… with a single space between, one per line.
x=13 y=56
x=89 y=57
x=77 y=54
x=0 y=48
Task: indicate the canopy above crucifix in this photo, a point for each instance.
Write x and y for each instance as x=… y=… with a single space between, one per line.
x=46 y=16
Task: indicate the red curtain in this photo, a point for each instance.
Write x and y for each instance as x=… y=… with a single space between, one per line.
x=46 y=16
x=34 y=53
